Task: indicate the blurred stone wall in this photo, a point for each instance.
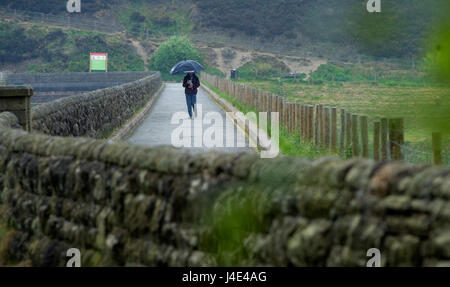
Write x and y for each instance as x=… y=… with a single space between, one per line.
x=126 y=205
x=95 y=114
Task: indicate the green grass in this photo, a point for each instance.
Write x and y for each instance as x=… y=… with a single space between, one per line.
x=375 y=72
x=242 y=212
x=159 y=19
x=214 y=71
x=289 y=143
x=376 y=101
x=263 y=67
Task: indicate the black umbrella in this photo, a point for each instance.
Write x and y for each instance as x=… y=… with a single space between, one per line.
x=188 y=66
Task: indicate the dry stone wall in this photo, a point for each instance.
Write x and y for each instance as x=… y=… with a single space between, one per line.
x=95 y=114
x=127 y=205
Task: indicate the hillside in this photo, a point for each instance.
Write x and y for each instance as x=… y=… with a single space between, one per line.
x=57 y=6
x=400 y=31
x=36 y=48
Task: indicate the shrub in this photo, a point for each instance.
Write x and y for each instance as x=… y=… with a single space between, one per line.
x=174 y=50
x=263 y=67
x=329 y=72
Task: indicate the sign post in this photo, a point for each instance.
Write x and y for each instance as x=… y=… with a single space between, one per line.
x=98 y=62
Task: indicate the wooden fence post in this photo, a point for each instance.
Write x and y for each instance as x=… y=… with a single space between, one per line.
x=302 y=122
x=326 y=129
x=272 y=103
x=316 y=126
x=265 y=105
x=285 y=117
x=294 y=117
x=245 y=95
x=364 y=137
x=348 y=132
x=295 y=121
x=310 y=123
x=333 y=130
x=384 y=139
x=305 y=121
x=264 y=101
x=256 y=100
x=355 y=142
x=275 y=103
x=321 y=126
x=280 y=107
x=342 y=135
x=376 y=141
x=437 y=153
x=396 y=138
x=288 y=117
x=259 y=100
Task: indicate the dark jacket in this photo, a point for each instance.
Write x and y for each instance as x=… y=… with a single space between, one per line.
x=196 y=84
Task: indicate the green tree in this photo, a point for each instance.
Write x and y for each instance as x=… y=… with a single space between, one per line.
x=172 y=51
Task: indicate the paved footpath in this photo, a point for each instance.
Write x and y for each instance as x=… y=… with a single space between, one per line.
x=169 y=116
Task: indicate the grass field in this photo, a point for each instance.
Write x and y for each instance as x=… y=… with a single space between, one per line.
x=373 y=100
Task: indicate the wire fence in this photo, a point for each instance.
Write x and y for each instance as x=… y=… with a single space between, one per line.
x=412 y=154
x=81 y=22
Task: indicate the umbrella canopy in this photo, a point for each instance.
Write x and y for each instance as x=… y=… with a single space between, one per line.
x=188 y=66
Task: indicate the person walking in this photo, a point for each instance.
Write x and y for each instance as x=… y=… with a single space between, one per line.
x=191 y=84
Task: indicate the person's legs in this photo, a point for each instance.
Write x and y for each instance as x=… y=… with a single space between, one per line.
x=189 y=104
x=194 y=103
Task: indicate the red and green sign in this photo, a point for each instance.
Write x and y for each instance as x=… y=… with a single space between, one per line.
x=99 y=62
